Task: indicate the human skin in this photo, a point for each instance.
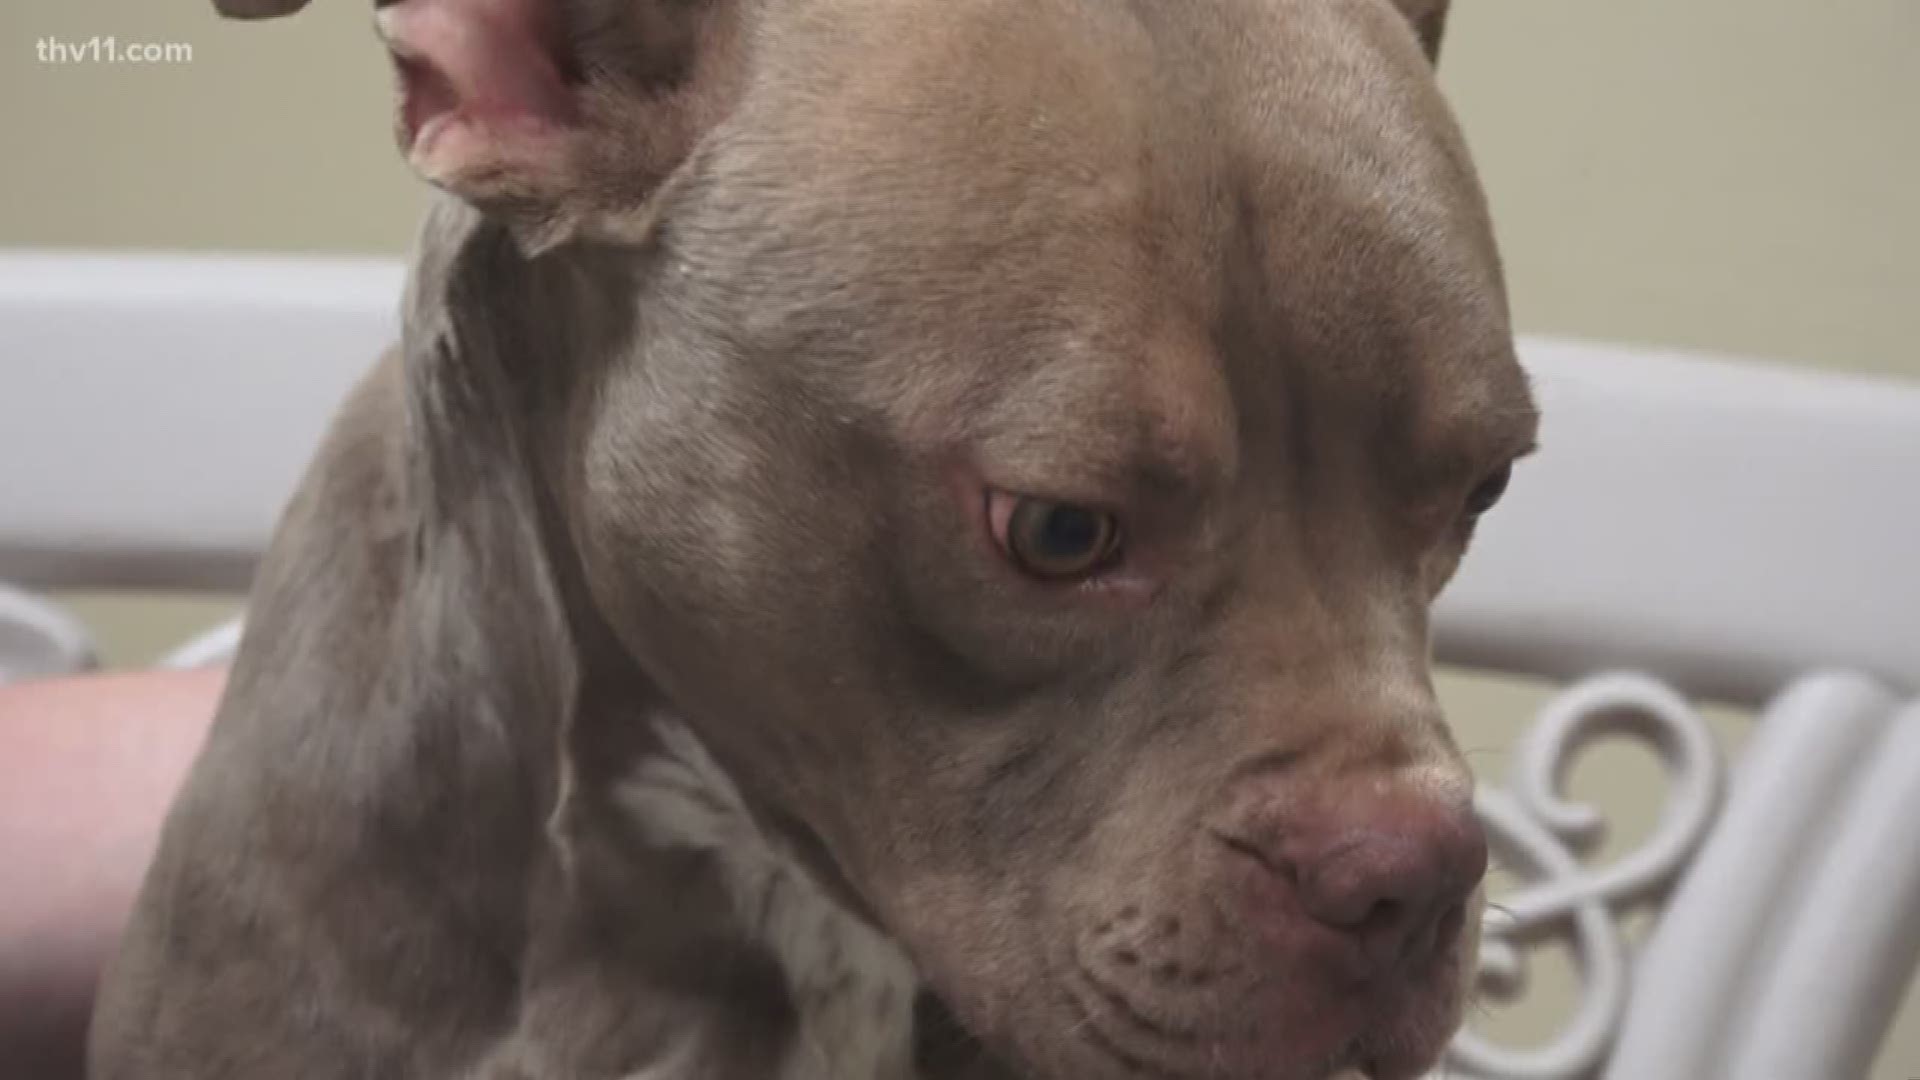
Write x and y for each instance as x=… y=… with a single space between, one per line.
x=87 y=768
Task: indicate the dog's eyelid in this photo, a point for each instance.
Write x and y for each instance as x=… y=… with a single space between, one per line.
x=1511 y=431
x=1130 y=488
x=1514 y=448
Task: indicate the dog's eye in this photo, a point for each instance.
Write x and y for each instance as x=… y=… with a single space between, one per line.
x=1489 y=490
x=1054 y=540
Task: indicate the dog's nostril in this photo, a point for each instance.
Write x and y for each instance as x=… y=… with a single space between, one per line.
x=1380 y=917
x=1385 y=871
x=1432 y=937
x=1399 y=890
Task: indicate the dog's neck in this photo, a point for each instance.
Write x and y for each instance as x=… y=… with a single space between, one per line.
x=852 y=989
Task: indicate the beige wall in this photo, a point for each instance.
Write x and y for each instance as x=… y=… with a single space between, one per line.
x=1741 y=175
x=1734 y=174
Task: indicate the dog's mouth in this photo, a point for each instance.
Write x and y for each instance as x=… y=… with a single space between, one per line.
x=1399 y=1046
x=1231 y=1021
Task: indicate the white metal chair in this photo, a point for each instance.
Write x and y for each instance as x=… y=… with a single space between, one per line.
x=1691 y=529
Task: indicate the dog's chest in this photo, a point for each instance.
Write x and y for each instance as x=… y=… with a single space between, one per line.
x=852 y=989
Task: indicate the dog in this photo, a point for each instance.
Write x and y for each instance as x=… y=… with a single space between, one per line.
x=897 y=542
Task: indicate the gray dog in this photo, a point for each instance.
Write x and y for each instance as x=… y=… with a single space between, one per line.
x=897 y=544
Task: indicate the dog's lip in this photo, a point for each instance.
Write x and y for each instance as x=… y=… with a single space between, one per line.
x=1149 y=1041
x=1386 y=1027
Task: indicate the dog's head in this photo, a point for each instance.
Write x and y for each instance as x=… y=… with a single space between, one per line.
x=1047 y=425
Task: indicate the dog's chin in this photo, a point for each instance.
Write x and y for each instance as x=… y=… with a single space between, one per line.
x=1392 y=1029
x=1405 y=1046
x=1412 y=1025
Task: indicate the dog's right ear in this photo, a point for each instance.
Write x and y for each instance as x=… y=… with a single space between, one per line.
x=1429 y=19
x=258 y=9
x=559 y=117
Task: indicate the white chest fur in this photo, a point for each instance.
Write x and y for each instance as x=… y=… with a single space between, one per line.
x=853 y=988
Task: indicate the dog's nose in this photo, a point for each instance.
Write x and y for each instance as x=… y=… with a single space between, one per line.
x=1393 y=871
x=1390 y=870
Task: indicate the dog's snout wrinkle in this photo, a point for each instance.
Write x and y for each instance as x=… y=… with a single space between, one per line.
x=1276 y=762
x=1252 y=850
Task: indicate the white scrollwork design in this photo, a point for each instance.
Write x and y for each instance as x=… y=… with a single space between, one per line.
x=209 y=647
x=38 y=639
x=1539 y=834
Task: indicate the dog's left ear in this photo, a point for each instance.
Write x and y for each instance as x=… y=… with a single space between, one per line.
x=258 y=9
x=1429 y=19
x=558 y=117
x=561 y=117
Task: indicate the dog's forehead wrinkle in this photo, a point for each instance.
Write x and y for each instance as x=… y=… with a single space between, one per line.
x=1475 y=413
x=1340 y=155
x=1108 y=425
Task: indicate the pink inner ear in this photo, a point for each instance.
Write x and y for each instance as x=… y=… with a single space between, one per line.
x=491 y=68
